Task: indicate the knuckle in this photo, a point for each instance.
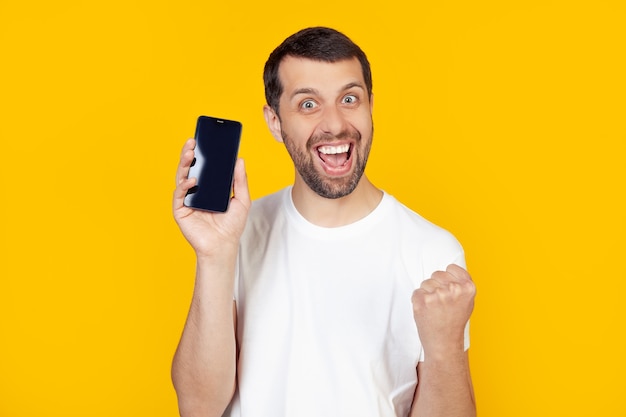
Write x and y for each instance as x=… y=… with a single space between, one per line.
x=469 y=287
x=416 y=297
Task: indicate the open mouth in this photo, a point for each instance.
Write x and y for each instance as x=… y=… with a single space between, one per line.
x=335 y=156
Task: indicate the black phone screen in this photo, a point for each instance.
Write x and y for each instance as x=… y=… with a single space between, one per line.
x=217 y=144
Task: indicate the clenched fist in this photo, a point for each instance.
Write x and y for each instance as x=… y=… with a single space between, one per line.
x=441 y=308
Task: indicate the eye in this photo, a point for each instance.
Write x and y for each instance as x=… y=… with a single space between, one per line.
x=349 y=99
x=308 y=105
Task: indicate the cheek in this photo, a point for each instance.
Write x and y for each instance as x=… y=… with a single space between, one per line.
x=298 y=133
x=365 y=128
x=362 y=120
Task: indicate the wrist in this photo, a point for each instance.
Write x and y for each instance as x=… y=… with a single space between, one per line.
x=215 y=274
x=223 y=252
x=444 y=351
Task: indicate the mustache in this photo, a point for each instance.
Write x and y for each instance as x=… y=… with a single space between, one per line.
x=314 y=140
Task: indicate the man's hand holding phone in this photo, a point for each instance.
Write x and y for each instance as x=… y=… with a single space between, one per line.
x=210 y=233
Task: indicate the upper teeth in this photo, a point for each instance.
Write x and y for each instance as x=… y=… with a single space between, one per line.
x=334 y=149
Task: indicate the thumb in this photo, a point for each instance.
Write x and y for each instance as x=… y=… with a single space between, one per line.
x=240 y=183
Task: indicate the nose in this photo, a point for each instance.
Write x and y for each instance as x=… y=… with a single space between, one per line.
x=333 y=121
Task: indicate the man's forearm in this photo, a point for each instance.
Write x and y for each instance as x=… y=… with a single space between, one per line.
x=204 y=366
x=444 y=387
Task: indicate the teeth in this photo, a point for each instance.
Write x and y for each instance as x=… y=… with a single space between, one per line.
x=330 y=150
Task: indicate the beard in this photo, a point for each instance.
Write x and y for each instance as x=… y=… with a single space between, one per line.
x=324 y=186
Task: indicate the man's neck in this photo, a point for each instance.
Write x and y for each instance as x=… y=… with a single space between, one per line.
x=337 y=212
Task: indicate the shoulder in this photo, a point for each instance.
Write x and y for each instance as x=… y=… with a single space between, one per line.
x=269 y=203
x=430 y=239
x=264 y=213
x=416 y=223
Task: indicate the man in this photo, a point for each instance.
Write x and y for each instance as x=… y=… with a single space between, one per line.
x=346 y=303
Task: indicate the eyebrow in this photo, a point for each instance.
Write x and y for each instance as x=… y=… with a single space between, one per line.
x=311 y=91
x=314 y=91
x=354 y=84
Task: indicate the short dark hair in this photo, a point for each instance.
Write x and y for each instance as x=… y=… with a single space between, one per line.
x=316 y=43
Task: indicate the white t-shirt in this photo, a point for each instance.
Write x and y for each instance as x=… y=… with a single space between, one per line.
x=325 y=320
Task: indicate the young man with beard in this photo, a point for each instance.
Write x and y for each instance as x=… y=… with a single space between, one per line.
x=346 y=303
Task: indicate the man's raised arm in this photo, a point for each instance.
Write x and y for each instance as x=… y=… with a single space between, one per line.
x=204 y=366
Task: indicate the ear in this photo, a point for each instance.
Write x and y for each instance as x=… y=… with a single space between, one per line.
x=273 y=122
x=372 y=103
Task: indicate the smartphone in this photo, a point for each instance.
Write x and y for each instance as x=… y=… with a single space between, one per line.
x=217 y=144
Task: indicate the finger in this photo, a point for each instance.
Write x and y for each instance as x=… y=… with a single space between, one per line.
x=240 y=183
x=463 y=279
x=180 y=192
x=430 y=285
x=189 y=144
x=183 y=184
x=186 y=158
x=442 y=277
x=459 y=273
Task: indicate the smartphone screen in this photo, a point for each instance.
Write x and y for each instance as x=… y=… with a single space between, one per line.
x=217 y=144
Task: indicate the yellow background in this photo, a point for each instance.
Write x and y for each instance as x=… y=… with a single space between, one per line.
x=504 y=122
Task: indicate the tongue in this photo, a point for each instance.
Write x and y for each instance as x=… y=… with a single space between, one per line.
x=334 y=160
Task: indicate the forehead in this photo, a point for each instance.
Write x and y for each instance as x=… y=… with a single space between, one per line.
x=300 y=73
